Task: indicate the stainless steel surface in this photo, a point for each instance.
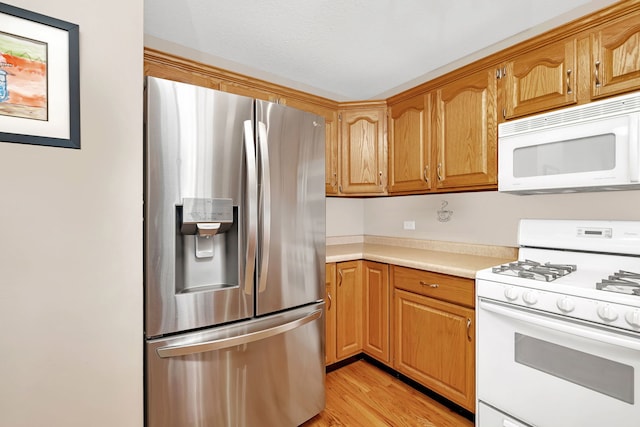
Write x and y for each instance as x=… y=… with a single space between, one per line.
x=193 y=150
x=276 y=381
x=292 y=230
x=234 y=260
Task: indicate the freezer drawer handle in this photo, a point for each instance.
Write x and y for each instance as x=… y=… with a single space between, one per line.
x=184 y=350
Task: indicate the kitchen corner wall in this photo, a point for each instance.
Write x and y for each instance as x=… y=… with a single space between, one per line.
x=489 y=218
x=71 y=242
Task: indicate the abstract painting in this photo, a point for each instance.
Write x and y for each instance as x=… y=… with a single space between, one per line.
x=39 y=79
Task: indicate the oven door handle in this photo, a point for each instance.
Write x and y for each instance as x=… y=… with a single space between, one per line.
x=561 y=326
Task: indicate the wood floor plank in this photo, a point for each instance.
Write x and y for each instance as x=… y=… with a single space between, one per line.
x=361 y=394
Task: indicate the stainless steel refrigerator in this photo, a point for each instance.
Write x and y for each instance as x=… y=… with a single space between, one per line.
x=234 y=260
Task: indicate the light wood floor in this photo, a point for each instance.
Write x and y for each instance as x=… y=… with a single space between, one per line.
x=361 y=394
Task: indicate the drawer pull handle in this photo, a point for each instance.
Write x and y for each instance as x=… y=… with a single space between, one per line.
x=469 y=329
x=431 y=285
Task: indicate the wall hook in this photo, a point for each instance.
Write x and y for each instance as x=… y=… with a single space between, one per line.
x=444 y=215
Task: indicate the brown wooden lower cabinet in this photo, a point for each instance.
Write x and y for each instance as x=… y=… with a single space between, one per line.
x=330 y=314
x=348 y=309
x=434 y=345
x=376 y=299
x=419 y=323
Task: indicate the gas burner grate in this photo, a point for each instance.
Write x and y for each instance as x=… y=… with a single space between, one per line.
x=534 y=270
x=623 y=282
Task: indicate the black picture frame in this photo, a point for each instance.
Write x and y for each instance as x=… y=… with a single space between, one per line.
x=60 y=106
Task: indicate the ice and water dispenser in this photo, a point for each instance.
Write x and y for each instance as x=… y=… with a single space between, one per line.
x=206 y=244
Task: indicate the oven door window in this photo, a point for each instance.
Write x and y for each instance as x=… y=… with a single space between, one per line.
x=576 y=366
x=549 y=371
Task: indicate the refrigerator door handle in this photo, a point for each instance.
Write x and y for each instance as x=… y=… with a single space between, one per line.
x=252 y=206
x=187 y=349
x=265 y=198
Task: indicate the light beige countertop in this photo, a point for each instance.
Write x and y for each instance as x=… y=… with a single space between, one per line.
x=456 y=259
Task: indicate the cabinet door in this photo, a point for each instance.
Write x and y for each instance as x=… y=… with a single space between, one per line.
x=616 y=57
x=410 y=145
x=434 y=345
x=376 y=310
x=466 y=132
x=348 y=309
x=330 y=314
x=539 y=80
x=363 y=151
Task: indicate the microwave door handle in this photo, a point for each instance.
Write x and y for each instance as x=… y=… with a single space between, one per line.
x=252 y=207
x=265 y=198
x=634 y=149
x=221 y=344
x=560 y=326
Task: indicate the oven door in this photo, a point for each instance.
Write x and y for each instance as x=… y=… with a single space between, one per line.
x=549 y=371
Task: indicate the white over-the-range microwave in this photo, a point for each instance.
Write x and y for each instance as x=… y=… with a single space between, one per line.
x=591 y=147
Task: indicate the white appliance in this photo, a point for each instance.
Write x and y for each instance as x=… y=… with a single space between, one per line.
x=558 y=331
x=234 y=260
x=591 y=147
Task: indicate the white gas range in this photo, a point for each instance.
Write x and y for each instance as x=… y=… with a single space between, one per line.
x=558 y=331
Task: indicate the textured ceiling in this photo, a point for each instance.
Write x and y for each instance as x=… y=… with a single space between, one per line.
x=349 y=49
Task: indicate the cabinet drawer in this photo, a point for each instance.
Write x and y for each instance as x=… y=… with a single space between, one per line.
x=457 y=290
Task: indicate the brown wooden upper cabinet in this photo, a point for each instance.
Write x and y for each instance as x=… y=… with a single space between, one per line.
x=363 y=150
x=594 y=64
x=410 y=145
x=466 y=132
x=615 y=57
x=539 y=80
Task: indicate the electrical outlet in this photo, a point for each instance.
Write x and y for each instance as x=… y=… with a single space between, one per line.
x=409 y=225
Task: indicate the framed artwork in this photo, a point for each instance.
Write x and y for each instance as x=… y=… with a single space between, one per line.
x=39 y=79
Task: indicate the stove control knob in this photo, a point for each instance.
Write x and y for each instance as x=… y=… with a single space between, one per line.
x=530 y=297
x=607 y=313
x=566 y=305
x=633 y=318
x=511 y=293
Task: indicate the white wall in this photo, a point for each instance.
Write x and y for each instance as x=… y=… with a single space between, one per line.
x=345 y=216
x=482 y=217
x=71 y=242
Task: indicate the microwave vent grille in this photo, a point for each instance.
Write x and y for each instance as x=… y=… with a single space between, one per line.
x=572 y=115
